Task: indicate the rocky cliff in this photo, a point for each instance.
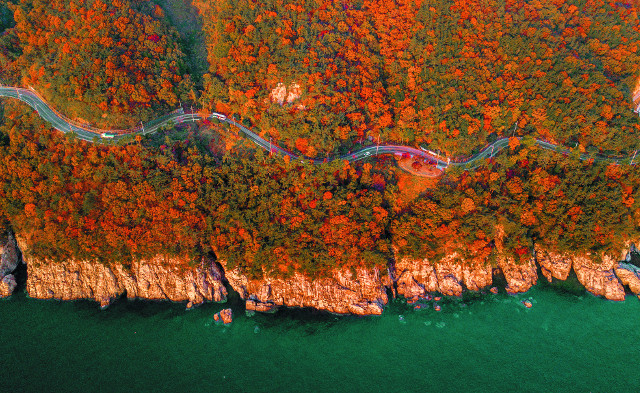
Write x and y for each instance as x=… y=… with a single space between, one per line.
x=450 y=276
x=605 y=278
x=360 y=291
x=417 y=277
x=9 y=260
x=160 y=278
x=601 y=279
x=344 y=292
x=414 y=277
x=157 y=279
x=520 y=276
x=553 y=265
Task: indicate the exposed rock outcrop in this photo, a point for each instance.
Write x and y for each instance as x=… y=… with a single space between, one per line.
x=253 y=305
x=282 y=94
x=9 y=260
x=225 y=316
x=361 y=291
x=629 y=275
x=636 y=97
x=417 y=277
x=553 y=265
x=477 y=277
x=520 y=277
x=342 y=293
x=7 y=285
x=449 y=275
x=629 y=250
x=599 y=279
x=157 y=279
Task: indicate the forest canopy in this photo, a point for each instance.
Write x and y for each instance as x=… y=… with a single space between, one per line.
x=453 y=75
x=114 y=204
x=262 y=214
x=320 y=77
x=114 y=63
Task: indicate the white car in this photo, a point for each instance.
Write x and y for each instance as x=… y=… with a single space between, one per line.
x=219 y=116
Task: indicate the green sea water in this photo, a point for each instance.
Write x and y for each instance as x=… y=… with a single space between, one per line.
x=566 y=342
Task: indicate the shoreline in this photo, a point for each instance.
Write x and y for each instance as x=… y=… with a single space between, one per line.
x=360 y=292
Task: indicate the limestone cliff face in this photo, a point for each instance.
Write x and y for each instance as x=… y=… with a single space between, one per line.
x=415 y=277
x=477 y=277
x=418 y=277
x=553 y=265
x=449 y=275
x=599 y=279
x=9 y=260
x=342 y=293
x=520 y=277
x=157 y=279
x=362 y=292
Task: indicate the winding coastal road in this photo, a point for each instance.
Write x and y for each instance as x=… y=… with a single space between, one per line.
x=88 y=133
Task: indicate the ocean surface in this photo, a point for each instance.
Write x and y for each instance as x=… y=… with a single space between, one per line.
x=567 y=342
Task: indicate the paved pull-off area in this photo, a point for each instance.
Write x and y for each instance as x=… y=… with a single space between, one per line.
x=88 y=133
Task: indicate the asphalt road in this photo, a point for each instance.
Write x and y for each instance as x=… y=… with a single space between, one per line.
x=90 y=134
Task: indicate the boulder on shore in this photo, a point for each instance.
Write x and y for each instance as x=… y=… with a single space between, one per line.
x=7 y=285
x=9 y=260
x=226 y=316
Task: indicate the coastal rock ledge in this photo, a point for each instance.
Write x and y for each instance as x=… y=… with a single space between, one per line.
x=342 y=293
x=416 y=278
x=157 y=279
x=361 y=291
x=599 y=279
